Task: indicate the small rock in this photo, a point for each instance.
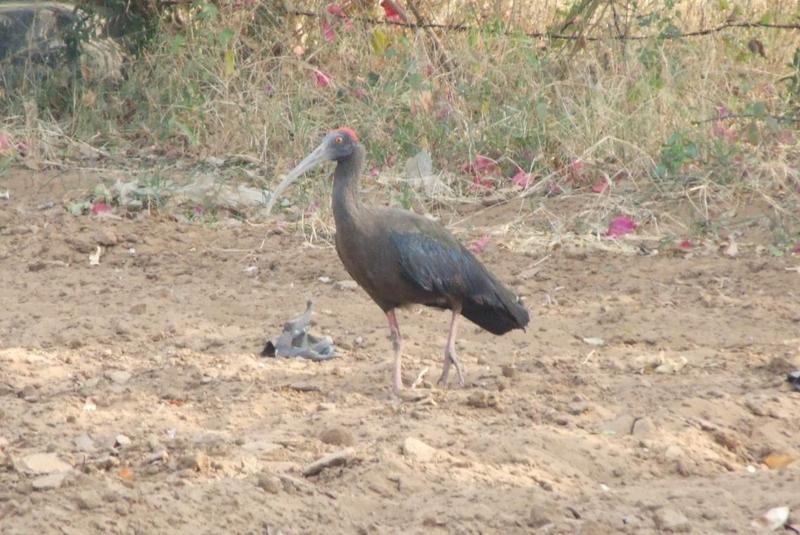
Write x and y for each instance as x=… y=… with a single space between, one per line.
x=29 y=393
x=106 y=237
x=118 y=376
x=86 y=501
x=509 y=370
x=673 y=453
x=672 y=365
x=121 y=441
x=671 y=520
x=334 y=459
x=622 y=425
x=50 y=481
x=198 y=462
x=643 y=427
x=84 y=443
x=337 y=436
x=482 y=400
x=538 y=517
x=345 y=285
x=577 y=408
x=773 y=519
x=270 y=483
x=418 y=450
x=138 y=309
x=42 y=463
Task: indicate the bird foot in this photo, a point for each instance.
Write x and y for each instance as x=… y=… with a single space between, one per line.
x=451 y=358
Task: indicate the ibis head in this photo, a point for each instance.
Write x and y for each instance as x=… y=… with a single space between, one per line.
x=338 y=145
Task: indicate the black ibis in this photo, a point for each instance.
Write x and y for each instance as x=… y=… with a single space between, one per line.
x=400 y=258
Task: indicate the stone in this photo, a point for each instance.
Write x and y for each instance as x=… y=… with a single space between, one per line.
x=671 y=521
x=337 y=436
x=84 y=443
x=50 y=481
x=198 y=462
x=119 y=377
x=42 y=463
x=418 y=450
x=643 y=427
x=106 y=237
x=270 y=483
x=345 y=285
x=620 y=426
x=334 y=459
x=674 y=453
x=482 y=400
x=86 y=501
x=538 y=517
x=122 y=441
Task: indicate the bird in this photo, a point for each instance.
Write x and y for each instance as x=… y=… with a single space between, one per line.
x=401 y=258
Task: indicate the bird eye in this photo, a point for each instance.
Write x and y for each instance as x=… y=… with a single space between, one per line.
x=339 y=140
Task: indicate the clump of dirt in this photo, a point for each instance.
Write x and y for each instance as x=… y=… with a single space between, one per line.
x=644 y=397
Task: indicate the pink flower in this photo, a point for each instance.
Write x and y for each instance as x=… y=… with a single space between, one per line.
x=686 y=245
x=601 y=185
x=619 y=226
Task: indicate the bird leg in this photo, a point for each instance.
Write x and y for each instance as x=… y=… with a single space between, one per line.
x=394 y=329
x=450 y=356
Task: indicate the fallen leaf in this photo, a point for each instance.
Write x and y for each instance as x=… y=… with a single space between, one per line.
x=601 y=185
x=619 y=226
x=522 y=179
x=328 y=32
x=553 y=189
x=379 y=41
x=776 y=461
x=322 y=79
x=479 y=245
x=481 y=165
x=125 y=473
x=336 y=10
x=390 y=13
x=5 y=142
x=99 y=208
x=176 y=402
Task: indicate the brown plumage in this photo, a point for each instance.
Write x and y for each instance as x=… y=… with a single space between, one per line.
x=400 y=258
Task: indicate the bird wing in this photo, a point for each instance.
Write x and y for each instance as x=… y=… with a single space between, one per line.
x=440 y=265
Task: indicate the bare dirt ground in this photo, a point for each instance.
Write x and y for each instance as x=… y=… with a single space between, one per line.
x=133 y=398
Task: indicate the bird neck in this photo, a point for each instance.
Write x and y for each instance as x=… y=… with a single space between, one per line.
x=346 y=201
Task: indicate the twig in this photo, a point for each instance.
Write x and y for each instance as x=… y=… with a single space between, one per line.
x=730 y=116
x=419 y=378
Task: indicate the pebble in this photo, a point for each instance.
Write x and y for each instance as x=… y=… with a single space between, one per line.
x=50 y=481
x=481 y=399
x=334 y=459
x=42 y=463
x=345 y=285
x=509 y=371
x=671 y=520
x=87 y=501
x=619 y=426
x=538 y=517
x=674 y=453
x=577 y=408
x=643 y=427
x=84 y=442
x=122 y=441
x=106 y=237
x=418 y=450
x=118 y=376
x=337 y=436
x=198 y=462
x=29 y=394
x=270 y=483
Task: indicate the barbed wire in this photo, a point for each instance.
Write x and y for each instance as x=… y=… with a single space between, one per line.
x=465 y=28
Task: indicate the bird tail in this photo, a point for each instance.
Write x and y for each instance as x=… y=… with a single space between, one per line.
x=497 y=313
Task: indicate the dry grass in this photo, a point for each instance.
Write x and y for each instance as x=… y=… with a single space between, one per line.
x=634 y=112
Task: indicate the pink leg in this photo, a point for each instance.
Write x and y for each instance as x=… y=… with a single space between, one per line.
x=450 y=356
x=394 y=329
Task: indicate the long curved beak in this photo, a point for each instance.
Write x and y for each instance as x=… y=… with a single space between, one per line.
x=318 y=156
